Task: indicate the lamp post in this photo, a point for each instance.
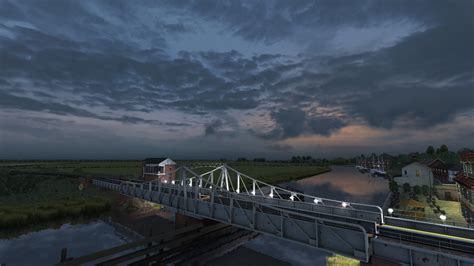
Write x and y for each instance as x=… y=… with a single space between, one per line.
x=390 y=211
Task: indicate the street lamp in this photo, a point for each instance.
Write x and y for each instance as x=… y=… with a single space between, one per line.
x=317 y=201
x=443 y=217
x=390 y=211
x=344 y=204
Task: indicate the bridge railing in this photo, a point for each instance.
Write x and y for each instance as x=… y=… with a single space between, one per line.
x=344 y=238
x=229 y=179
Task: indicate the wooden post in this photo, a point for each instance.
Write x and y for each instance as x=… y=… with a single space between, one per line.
x=63 y=255
x=150 y=244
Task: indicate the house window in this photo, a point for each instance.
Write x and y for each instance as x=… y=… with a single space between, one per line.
x=417 y=172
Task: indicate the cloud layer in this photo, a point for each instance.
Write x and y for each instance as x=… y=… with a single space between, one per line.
x=202 y=76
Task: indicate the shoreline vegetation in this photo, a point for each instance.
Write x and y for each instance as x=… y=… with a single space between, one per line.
x=37 y=194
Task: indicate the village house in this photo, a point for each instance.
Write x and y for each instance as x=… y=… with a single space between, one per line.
x=444 y=173
x=162 y=169
x=465 y=181
x=415 y=174
x=443 y=177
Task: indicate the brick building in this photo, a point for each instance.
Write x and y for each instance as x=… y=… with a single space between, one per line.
x=465 y=181
x=158 y=168
x=444 y=173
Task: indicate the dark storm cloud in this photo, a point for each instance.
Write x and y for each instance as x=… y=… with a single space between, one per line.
x=428 y=77
x=24 y=103
x=212 y=128
x=275 y=20
x=382 y=63
x=226 y=127
x=293 y=122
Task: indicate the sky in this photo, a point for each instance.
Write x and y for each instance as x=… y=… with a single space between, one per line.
x=225 y=79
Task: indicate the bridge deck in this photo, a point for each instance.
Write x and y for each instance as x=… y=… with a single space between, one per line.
x=354 y=230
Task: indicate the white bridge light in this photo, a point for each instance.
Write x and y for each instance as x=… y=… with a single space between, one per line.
x=344 y=204
x=172 y=182
x=390 y=211
x=292 y=197
x=271 y=195
x=253 y=192
x=166 y=181
x=317 y=201
x=237 y=190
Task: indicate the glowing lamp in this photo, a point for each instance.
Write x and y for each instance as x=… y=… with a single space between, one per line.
x=443 y=217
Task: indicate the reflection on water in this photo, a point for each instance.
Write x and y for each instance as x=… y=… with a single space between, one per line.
x=44 y=247
x=342 y=183
x=345 y=183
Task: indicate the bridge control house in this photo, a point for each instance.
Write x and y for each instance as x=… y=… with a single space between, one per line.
x=465 y=181
x=158 y=168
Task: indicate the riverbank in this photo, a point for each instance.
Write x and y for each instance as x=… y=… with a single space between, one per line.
x=31 y=201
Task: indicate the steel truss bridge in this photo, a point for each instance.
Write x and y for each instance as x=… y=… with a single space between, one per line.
x=359 y=231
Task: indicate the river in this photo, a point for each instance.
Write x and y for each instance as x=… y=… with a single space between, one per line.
x=44 y=247
x=342 y=183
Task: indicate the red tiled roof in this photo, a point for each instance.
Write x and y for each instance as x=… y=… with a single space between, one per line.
x=465 y=180
x=467 y=156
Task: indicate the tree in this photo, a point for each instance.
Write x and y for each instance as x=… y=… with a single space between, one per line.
x=425 y=189
x=393 y=186
x=417 y=189
x=430 y=150
x=443 y=149
x=406 y=188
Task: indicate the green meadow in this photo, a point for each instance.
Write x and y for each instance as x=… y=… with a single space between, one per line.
x=37 y=192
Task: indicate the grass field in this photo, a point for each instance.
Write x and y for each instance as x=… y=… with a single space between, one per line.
x=38 y=192
x=265 y=171
x=27 y=200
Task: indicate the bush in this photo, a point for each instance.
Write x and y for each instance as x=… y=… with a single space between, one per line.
x=417 y=190
x=425 y=190
x=393 y=186
x=406 y=188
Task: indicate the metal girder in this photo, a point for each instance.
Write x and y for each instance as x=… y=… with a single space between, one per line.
x=226 y=195
x=293 y=226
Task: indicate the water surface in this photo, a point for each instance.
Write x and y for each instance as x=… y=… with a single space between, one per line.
x=44 y=247
x=343 y=183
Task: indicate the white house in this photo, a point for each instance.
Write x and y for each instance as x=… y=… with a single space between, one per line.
x=415 y=174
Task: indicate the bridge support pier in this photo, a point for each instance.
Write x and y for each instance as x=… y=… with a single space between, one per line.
x=378 y=261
